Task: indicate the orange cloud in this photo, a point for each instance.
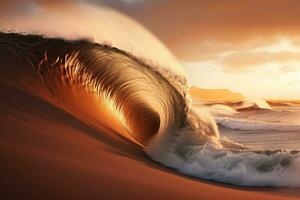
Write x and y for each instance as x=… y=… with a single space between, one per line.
x=186 y=26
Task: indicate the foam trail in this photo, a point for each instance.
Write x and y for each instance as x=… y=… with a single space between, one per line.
x=252 y=125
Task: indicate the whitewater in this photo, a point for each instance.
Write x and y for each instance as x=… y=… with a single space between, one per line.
x=265 y=151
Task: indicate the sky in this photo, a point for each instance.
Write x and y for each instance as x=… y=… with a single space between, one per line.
x=270 y=72
x=248 y=46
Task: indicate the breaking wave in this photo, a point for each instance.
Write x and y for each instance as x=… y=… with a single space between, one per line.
x=121 y=95
x=254 y=103
x=254 y=125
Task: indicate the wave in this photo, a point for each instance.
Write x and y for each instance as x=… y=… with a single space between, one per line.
x=222 y=110
x=254 y=125
x=247 y=104
x=254 y=103
x=118 y=93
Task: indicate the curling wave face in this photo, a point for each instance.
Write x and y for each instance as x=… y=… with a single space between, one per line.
x=137 y=96
x=116 y=92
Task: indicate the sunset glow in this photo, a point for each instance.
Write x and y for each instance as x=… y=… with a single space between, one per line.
x=271 y=71
x=150 y=99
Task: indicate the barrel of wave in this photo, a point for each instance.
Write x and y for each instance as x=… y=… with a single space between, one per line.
x=102 y=25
